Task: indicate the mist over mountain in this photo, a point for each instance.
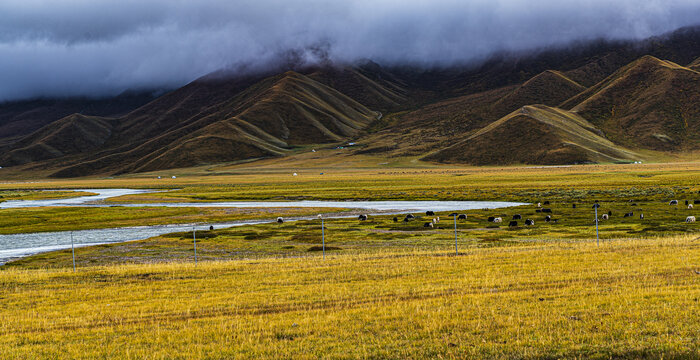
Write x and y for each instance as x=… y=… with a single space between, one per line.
x=103 y=48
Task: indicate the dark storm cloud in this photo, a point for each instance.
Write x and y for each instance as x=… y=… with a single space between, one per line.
x=89 y=47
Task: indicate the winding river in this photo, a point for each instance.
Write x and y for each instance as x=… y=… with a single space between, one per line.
x=20 y=245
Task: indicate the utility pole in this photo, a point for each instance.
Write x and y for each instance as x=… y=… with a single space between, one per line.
x=72 y=246
x=194 y=238
x=455 y=217
x=597 y=236
x=323 y=237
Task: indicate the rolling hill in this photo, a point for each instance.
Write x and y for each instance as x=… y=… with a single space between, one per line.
x=21 y=118
x=650 y=103
x=208 y=121
x=535 y=134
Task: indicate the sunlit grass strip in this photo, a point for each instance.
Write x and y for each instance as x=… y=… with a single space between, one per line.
x=630 y=298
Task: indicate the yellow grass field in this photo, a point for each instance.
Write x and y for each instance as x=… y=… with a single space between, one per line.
x=389 y=290
x=624 y=299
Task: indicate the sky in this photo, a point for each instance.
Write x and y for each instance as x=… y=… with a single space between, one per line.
x=103 y=47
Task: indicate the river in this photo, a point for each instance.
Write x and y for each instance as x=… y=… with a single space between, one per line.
x=20 y=245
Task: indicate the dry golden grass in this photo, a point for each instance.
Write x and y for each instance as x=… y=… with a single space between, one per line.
x=624 y=299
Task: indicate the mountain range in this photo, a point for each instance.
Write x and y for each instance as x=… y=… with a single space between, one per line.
x=599 y=101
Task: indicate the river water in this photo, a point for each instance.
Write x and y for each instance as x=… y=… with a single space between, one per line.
x=20 y=245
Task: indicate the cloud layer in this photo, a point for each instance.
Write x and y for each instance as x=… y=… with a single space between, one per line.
x=85 y=47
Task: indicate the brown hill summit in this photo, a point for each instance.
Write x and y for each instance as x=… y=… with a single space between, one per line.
x=437 y=125
x=535 y=134
x=73 y=134
x=207 y=121
x=21 y=118
x=649 y=103
x=549 y=87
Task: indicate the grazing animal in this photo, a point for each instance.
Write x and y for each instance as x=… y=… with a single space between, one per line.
x=491 y=219
x=673 y=202
x=538 y=210
x=547 y=211
x=696 y=202
x=513 y=223
x=429 y=213
x=453 y=214
x=596 y=205
x=406 y=220
x=462 y=217
x=517 y=217
x=396 y=219
x=686 y=202
x=690 y=206
x=529 y=222
x=609 y=213
x=362 y=217
x=548 y=218
x=634 y=204
x=280 y=220
x=434 y=221
x=573 y=206
x=546 y=202
x=690 y=219
x=498 y=220
x=539 y=204
x=605 y=217
x=438 y=219
x=428 y=224
x=211 y=227
x=410 y=216
x=630 y=214
x=641 y=216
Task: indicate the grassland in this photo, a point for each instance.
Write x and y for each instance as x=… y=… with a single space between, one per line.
x=403 y=179
x=6 y=195
x=624 y=299
x=380 y=234
x=386 y=289
x=16 y=221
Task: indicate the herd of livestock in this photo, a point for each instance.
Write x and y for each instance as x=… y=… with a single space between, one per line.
x=528 y=222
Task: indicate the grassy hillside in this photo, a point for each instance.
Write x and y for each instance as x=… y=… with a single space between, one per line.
x=548 y=88
x=74 y=134
x=624 y=299
x=443 y=123
x=649 y=103
x=264 y=119
x=368 y=84
x=21 y=118
x=535 y=135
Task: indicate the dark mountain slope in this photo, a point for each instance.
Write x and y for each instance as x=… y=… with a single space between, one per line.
x=265 y=119
x=649 y=103
x=368 y=84
x=549 y=88
x=534 y=135
x=73 y=134
x=695 y=65
x=20 y=118
x=437 y=125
